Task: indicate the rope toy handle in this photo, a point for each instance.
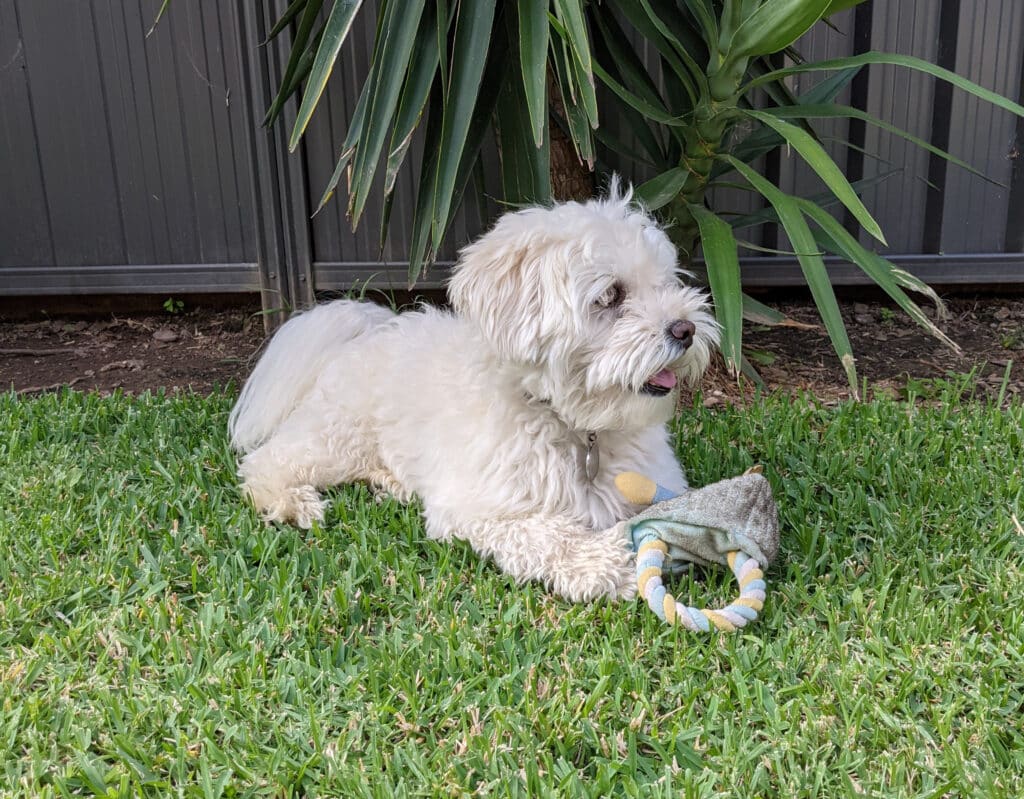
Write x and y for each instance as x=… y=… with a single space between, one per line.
x=651 y=552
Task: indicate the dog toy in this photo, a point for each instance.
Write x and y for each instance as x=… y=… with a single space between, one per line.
x=732 y=522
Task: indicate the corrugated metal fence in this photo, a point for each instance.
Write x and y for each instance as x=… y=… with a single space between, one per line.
x=135 y=164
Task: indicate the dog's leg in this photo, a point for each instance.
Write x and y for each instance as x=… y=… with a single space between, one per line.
x=384 y=485
x=284 y=475
x=577 y=563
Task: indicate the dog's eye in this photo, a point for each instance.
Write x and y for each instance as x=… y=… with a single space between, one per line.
x=612 y=296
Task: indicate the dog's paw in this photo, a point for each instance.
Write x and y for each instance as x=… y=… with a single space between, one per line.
x=300 y=505
x=603 y=568
x=384 y=486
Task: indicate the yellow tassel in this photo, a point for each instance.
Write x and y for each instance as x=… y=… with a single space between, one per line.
x=636 y=488
x=644 y=576
x=670 y=608
x=753 y=574
x=654 y=543
x=720 y=622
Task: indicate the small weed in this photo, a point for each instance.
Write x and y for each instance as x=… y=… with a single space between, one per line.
x=173 y=305
x=1012 y=339
x=761 y=357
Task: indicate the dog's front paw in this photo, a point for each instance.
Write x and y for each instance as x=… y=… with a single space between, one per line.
x=603 y=568
x=300 y=505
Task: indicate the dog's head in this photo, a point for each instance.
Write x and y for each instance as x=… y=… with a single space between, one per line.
x=585 y=302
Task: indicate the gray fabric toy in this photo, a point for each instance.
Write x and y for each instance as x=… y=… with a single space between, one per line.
x=733 y=522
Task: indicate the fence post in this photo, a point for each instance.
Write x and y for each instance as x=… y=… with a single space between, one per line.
x=284 y=241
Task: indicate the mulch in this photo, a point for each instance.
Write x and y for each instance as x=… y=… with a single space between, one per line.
x=203 y=349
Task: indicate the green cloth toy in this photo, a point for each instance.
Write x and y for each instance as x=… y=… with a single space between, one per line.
x=732 y=522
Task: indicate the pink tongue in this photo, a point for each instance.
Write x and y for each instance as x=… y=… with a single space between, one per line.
x=666 y=378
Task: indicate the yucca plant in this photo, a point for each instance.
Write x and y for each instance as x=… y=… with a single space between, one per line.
x=708 y=107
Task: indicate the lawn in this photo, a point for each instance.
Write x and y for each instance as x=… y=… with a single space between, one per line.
x=157 y=639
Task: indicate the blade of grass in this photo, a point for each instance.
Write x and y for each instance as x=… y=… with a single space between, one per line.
x=158 y=17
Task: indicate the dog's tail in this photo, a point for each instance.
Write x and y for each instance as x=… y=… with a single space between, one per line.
x=291 y=364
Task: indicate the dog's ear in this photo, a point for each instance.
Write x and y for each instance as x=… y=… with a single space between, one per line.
x=499 y=285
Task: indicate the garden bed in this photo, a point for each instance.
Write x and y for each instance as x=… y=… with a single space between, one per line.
x=203 y=349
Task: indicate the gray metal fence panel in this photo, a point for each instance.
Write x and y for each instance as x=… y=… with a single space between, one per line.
x=989 y=50
x=904 y=99
x=136 y=164
x=122 y=149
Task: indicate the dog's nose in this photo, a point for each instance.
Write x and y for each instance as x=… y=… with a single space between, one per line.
x=682 y=331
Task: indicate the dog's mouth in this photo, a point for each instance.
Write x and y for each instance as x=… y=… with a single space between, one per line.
x=660 y=384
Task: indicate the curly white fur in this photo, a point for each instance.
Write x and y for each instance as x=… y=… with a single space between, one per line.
x=562 y=315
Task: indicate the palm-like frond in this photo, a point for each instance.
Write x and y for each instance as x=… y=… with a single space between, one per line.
x=456 y=69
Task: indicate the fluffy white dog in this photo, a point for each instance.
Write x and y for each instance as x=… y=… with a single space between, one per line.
x=508 y=418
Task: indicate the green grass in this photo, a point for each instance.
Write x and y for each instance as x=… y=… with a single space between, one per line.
x=157 y=639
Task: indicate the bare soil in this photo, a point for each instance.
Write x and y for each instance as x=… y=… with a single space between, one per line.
x=201 y=350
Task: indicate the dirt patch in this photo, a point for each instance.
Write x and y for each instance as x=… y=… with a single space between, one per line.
x=203 y=349
x=197 y=351
x=894 y=355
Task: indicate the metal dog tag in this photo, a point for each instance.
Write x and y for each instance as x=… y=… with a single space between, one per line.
x=591 y=458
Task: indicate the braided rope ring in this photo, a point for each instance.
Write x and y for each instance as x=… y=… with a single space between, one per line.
x=650 y=555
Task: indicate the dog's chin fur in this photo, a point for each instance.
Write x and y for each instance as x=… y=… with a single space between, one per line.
x=562 y=316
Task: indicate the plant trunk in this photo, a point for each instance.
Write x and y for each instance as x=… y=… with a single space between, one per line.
x=570 y=177
x=703 y=141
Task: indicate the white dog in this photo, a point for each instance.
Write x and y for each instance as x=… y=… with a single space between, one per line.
x=508 y=418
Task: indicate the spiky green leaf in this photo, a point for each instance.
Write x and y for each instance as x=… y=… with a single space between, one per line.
x=884 y=273
x=829 y=111
x=775 y=25
x=288 y=82
x=339 y=23
x=533 y=60
x=820 y=161
x=290 y=13
x=910 y=62
x=723 y=266
x=469 y=57
x=662 y=189
x=813 y=265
